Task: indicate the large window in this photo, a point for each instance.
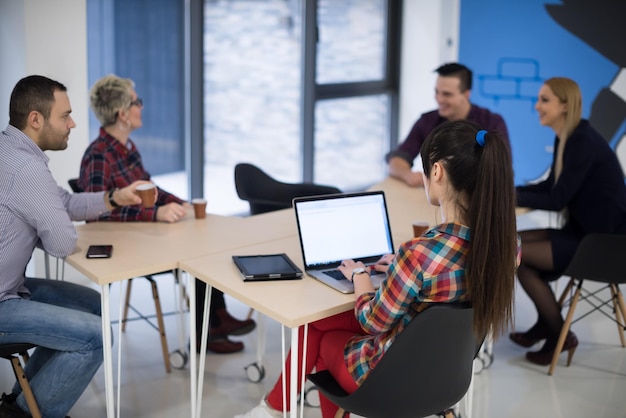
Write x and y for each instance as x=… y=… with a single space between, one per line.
x=257 y=93
x=354 y=92
x=251 y=94
x=305 y=89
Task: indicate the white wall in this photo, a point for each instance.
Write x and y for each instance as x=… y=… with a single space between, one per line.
x=430 y=38
x=48 y=38
x=12 y=49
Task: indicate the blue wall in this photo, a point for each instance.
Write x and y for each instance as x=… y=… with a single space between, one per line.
x=143 y=40
x=513 y=45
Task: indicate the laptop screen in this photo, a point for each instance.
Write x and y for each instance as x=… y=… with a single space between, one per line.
x=343 y=226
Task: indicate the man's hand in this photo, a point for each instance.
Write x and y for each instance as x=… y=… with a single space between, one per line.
x=127 y=196
x=400 y=169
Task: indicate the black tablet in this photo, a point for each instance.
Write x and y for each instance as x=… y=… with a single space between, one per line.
x=267 y=267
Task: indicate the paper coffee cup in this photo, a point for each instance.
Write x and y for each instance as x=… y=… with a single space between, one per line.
x=147 y=194
x=419 y=227
x=199 y=207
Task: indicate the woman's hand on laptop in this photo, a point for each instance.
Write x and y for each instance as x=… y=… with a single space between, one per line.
x=347 y=267
x=382 y=265
x=351 y=270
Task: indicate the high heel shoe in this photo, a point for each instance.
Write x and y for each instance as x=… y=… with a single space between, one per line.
x=544 y=357
x=525 y=339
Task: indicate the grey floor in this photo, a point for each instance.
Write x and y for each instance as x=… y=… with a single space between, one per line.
x=593 y=386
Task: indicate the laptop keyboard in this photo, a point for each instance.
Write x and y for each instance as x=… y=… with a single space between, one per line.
x=335 y=274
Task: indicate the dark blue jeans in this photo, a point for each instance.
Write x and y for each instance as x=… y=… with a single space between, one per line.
x=63 y=319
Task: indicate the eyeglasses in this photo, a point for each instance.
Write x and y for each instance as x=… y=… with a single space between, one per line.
x=137 y=102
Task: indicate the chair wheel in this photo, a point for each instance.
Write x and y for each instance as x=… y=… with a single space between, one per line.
x=178 y=359
x=478 y=365
x=482 y=361
x=313 y=402
x=255 y=372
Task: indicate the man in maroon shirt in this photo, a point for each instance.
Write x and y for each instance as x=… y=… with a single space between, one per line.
x=452 y=92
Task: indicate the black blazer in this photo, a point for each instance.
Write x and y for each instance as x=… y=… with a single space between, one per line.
x=591 y=185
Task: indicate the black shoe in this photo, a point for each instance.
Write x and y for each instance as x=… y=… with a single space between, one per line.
x=230 y=325
x=526 y=339
x=544 y=356
x=220 y=345
x=10 y=409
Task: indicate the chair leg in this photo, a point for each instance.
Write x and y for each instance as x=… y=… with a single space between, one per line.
x=129 y=286
x=341 y=413
x=620 y=315
x=250 y=312
x=565 y=292
x=449 y=414
x=159 y=316
x=23 y=381
x=565 y=329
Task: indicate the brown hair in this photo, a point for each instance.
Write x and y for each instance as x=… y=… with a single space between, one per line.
x=32 y=93
x=460 y=71
x=482 y=178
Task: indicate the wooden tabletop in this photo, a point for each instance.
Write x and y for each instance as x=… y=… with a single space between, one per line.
x=141 y=248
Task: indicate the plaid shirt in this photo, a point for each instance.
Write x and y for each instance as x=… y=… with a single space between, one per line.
x=425 y=270
x=108 y=164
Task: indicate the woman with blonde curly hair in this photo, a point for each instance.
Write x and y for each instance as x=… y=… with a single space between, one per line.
x=113 y=161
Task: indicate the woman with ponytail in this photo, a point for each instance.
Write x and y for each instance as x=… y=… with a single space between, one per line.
x=469 y=257
x=586 y=184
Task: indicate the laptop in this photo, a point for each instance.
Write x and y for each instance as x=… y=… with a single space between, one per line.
x=343 y=226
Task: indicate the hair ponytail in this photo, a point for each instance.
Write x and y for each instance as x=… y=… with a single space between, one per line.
x=491 y=265
x=482 y=176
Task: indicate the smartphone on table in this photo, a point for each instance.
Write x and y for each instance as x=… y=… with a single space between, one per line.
x=99 y=251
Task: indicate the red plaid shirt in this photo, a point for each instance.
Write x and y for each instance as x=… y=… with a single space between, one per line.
x=108 y=164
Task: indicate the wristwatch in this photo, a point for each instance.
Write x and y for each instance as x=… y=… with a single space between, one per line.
x=112 y=201
x=358 y=270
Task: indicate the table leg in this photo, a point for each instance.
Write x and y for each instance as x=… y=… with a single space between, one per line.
x=303 y=379
x=193 y=356
x=293 y=384
x=203 y=344
x=119 y=354
x=107 y=361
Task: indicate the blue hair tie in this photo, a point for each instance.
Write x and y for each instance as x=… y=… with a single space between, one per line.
x=480 y=137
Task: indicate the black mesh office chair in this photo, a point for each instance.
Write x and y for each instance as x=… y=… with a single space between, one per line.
x=426 y=371
x=599 y=258
x=13 y=352
x=266 y=194
x=160 y=324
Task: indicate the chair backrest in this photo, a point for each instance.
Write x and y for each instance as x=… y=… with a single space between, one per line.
x=601 y=258
x=265 y=194
x=74 y=185
x=426 y=370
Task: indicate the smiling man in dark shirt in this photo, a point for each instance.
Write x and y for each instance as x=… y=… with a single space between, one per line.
x=452 y=92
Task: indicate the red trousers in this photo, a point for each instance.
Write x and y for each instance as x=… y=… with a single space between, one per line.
x=325 y=344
